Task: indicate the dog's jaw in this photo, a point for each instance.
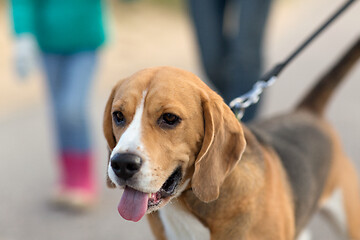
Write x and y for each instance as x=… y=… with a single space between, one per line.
x=134 y=203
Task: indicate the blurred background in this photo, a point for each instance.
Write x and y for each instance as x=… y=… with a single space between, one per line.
x=141 y=34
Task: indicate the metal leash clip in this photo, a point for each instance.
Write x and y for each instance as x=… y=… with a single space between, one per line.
x=239 y=104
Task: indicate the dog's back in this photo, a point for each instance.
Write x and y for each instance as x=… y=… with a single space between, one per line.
x=303 y=141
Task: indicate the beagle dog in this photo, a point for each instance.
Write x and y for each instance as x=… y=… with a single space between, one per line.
x=183 y=159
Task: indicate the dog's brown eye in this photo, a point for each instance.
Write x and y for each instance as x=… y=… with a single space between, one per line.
x=119 y=118
x=169 y=120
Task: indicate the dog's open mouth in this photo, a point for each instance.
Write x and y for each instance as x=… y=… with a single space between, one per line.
x=167 y=189
x=134 y=204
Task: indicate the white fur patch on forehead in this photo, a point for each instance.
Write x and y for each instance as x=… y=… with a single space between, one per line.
x=130 y=141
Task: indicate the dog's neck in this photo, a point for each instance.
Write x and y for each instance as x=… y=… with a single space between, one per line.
x=238 y=183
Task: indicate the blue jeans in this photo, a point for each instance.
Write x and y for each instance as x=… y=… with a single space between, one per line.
x=232 y=60
x=69 y=78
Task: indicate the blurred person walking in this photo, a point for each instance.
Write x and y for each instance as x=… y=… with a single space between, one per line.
x=65 y=35
x=230 y=36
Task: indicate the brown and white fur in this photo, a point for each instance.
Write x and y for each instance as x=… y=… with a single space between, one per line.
x=209 y=176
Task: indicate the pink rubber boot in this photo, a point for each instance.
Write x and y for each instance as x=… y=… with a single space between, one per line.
x=77 y=186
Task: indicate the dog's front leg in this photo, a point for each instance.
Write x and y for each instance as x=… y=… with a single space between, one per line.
x=156 y=226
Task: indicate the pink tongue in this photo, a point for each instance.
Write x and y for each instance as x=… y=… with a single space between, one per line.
x=133 y=204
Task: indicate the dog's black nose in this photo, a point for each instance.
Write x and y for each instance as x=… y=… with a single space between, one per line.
x=125 y=165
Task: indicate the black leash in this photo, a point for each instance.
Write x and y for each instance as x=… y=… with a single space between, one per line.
x=238 y=105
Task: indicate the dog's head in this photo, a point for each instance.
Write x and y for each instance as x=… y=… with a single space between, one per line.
x=168 y=132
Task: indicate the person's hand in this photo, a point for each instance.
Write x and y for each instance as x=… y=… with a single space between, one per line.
x=26 y=55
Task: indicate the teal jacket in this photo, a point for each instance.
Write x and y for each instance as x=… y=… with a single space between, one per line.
x=60 y=26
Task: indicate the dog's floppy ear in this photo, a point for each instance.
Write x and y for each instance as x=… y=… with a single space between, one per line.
x=107 y=123
x=108 y=131
x=222 y=147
